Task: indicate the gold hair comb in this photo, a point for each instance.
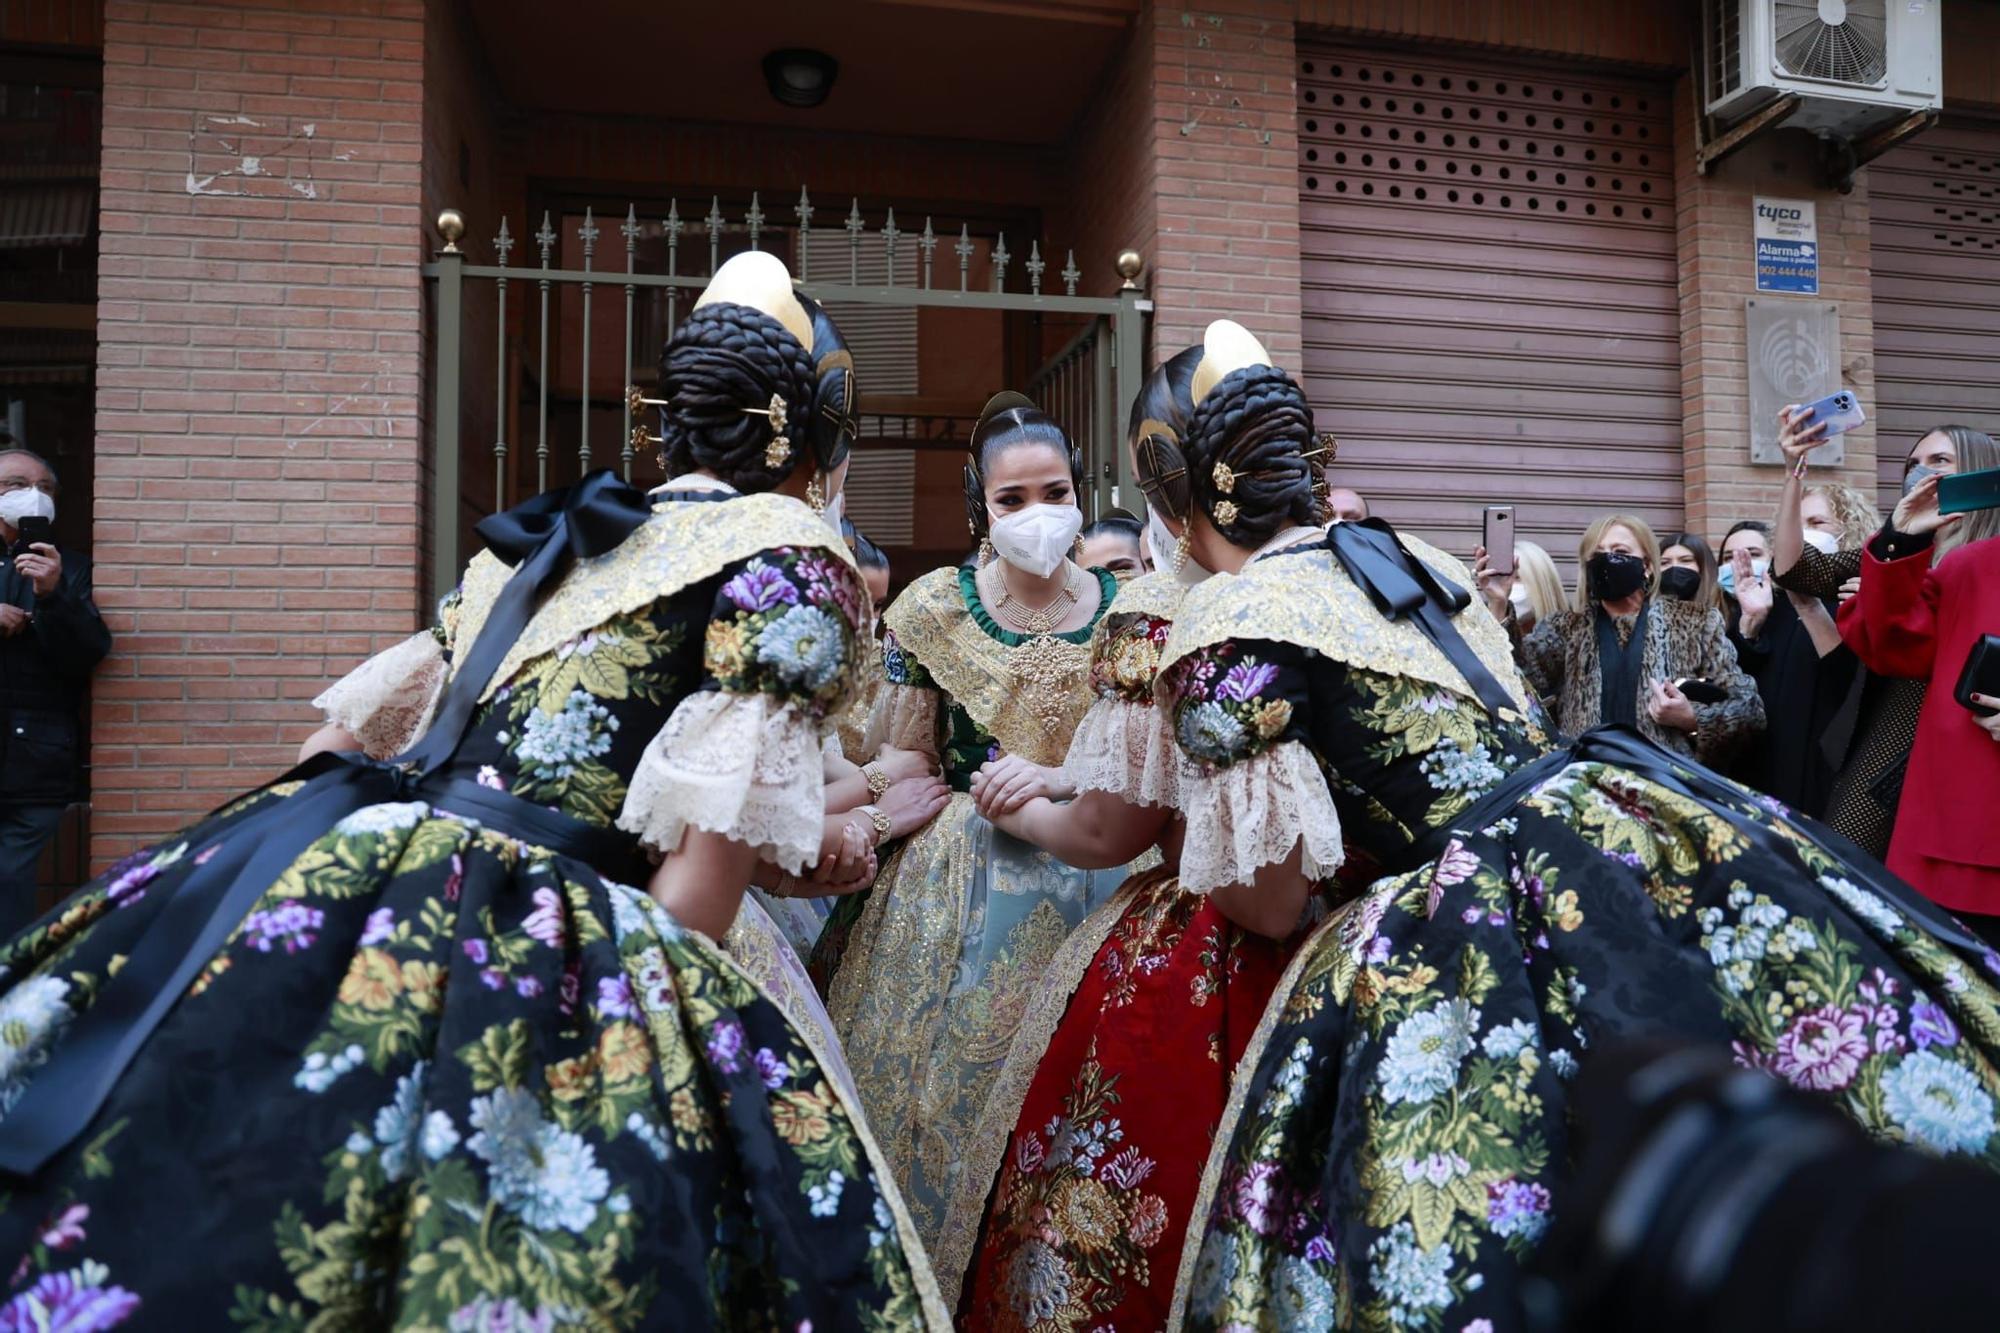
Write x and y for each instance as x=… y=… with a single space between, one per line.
x=780 y=448
x=1224 y=478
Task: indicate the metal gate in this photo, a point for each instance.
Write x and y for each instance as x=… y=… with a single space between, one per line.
x=1492 y=312
x=1934 y=227
x=1085 y=385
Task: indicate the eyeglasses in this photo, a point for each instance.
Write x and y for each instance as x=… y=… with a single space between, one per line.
x=8 y=485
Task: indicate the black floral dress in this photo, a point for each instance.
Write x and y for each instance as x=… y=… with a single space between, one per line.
x=442 y=1077
x=1398 y=1120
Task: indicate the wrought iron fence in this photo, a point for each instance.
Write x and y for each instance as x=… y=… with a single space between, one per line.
x=1085 y=385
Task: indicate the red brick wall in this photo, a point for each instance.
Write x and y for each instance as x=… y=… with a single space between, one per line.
x=1225 y=189
x=1717 y=273
x=257 y=384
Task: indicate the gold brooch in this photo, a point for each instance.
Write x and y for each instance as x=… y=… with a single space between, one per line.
x=780 y=447
x=1225 y=480
x=1225 y=513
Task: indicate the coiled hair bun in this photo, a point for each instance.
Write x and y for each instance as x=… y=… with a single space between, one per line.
x=1246 y=448
x=835 y=419
x=719 y=373
x=1158 y=423
x=1011 y=419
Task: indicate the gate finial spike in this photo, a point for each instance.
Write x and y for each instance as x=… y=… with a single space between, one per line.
x=546 y=237
x=755 y=219
x=964 y=249
x=1035 y=266
x=1070 y=274
x=503 y=244
x=629 y=228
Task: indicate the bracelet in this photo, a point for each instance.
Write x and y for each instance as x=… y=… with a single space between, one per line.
x=1799 y=470
x=878 y=781
x=879 y=820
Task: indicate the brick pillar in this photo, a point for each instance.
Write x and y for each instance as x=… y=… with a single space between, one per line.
x=1718 y=271
x=1225 y=199
x=257 y=505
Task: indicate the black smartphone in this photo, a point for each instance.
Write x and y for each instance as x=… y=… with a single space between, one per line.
x=1497 y=536
x=1698 y=691
x=33 y=528
x=1965 y=492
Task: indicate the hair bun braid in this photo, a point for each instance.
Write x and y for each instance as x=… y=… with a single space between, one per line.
x=1246 y=452
x=718 y=374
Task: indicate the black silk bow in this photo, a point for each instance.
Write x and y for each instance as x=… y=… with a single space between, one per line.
x=1403 y=587
x=541 y=538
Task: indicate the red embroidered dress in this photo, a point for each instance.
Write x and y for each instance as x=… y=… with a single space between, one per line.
x=1081 y=1176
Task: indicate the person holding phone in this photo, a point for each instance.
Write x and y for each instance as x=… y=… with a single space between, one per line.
x=1914 y=618
x=1624 y=654
x=1868 y=740
x=51 y=639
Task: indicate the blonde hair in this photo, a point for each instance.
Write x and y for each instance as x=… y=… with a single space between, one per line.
x=1649 y=551
x=1540 y=579
x=1852 y=509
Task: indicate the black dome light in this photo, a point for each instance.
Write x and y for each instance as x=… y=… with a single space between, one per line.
x=798 y=76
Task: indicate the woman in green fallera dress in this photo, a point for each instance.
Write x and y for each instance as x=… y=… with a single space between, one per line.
x=930 y=974
x=443 y=1042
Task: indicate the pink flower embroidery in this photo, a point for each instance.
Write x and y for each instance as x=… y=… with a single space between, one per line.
x=1257 y=1196
x=1822 y=1050
x=67 y=1230
x=1455 y=867
x=545 y=922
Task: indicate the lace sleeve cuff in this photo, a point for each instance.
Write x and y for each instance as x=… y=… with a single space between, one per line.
x=905 y=716
x=746 y=766
x=387 y=701
x=1127 y=749
x=1253 y=813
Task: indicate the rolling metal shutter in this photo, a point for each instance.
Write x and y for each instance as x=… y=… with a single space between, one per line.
x=1934 y=215
x=1492 y=311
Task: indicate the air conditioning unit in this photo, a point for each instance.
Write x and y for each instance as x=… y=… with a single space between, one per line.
x=1856 y=65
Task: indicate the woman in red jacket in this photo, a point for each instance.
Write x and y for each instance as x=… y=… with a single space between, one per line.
x=1916 y=618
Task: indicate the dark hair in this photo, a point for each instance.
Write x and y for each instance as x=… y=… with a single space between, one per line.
x=835 y=422
x=1710 y=591
x=1246 y=447
x=22 y=451
x=1157 y=427
x=719 y=373
x=1115 y=525
x=1011 y=420
x=1756 y=525
x=868 y=555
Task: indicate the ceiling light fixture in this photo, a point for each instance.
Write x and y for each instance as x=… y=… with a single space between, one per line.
x=800 y=77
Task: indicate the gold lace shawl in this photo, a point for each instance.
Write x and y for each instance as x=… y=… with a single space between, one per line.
x=681 y=544
x=1156 y=594
x=1029 y=698
x=1309 y=601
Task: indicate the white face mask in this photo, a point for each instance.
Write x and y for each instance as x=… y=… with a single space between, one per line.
x=26 y=503
x=1518 y=596
x=1036 y=539
x=1821 y=540
x=1161 y=538
x=835 y=509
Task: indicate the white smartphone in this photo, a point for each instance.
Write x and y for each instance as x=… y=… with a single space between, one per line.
x=1498 y=538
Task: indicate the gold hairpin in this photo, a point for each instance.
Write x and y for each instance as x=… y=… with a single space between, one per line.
x=1225 y=480
x=780 y=447
x=1325 y=448
x=636 y=400
x=1225 y=513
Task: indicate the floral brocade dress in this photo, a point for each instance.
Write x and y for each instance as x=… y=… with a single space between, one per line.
x=1400 y=1117
x=932 y=969
x=1079 y=1180
x=445 y=1077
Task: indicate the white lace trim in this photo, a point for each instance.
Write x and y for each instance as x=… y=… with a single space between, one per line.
x=1253 y=813
x=1128 y=749
x=905 y=716
x=387 y=701
x=742 y=765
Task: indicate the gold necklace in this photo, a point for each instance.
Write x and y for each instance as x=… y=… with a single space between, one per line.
x=1037 y=621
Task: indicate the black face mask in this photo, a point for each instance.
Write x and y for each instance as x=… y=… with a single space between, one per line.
x=1680 y=581
x=1615 y=576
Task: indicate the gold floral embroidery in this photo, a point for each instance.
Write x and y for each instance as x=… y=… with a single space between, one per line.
x=1029 y=698
x=680 y=545
x=1308 y=600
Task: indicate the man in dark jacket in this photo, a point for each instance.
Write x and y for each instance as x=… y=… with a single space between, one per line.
x=51 y=639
